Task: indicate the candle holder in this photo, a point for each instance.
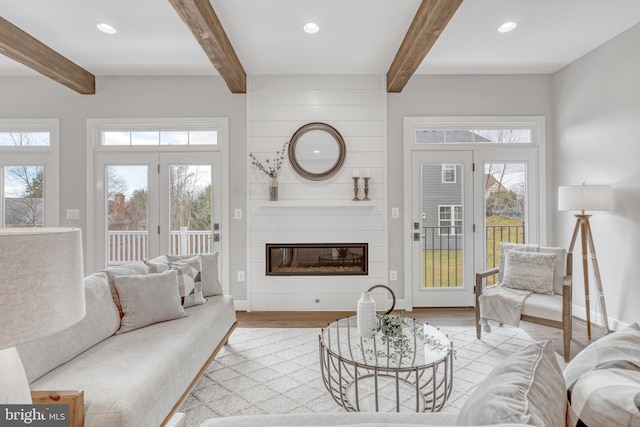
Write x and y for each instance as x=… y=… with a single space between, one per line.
x=355 y=189
x=366 y=188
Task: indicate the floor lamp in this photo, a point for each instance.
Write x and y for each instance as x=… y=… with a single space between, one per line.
x=586 y=198
x=41 y=293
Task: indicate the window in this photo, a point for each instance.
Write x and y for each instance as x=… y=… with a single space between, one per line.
x=450 y=219
x=448 y=174
x=28 y=173
x=474 y=136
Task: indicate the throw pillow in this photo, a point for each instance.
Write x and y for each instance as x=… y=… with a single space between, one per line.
x=122 y=270
x=148 y=299
x=606 y=397
x=209 y=273
x=614 y=350
x=190 y=289
x=527 y=388
x=529 y=271
x=506 y=247
x=188 y=275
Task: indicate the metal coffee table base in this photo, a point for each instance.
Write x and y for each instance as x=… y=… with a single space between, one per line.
x=360 y=387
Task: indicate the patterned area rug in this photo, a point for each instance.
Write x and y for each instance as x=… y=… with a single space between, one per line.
x=277 y=371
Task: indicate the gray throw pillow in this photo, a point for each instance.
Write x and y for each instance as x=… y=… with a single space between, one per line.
x=148 y=299
x=527 y=388
x=209 y=273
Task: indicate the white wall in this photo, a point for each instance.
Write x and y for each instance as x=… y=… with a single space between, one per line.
x=316 y=211
x=490 y=95
x=120 y=97
x=597 y=117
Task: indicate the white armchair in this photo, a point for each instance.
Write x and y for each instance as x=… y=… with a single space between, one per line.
x=553 y=309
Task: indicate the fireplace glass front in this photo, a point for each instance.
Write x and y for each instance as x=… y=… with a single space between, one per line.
x=317 y=259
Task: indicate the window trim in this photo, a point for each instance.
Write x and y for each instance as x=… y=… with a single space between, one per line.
x=38 y=155
x=94 y=126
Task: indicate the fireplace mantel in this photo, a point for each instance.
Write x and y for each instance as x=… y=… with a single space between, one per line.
x=314 y=203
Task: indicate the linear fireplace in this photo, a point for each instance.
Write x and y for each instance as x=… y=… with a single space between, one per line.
x=317 y=259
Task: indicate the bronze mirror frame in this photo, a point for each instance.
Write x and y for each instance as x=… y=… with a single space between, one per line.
x=334 y=169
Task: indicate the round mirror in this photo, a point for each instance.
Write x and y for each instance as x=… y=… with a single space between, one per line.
x=317 y=151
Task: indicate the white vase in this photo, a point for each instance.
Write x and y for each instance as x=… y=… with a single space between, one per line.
x=366 y=315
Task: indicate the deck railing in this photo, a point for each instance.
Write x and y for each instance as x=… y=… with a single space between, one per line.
x=442 y=252
x=130 y=246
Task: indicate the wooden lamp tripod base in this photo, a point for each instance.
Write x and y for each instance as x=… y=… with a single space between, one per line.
x=582 y=224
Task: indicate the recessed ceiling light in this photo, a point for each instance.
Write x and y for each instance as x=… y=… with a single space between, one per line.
x=311 y=28
x=105 y=28
x=507 y=26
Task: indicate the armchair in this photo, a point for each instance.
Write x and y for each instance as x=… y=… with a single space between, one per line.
x=546 y=309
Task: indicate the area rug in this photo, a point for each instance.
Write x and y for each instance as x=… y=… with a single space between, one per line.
x=277 y=371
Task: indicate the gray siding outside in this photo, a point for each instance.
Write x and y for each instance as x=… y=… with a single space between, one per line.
x=435 y=193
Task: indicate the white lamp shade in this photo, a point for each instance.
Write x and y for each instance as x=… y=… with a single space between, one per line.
x=41 y=282
x=584 y=198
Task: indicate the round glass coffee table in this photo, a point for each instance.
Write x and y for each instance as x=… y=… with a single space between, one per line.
x=408 y=371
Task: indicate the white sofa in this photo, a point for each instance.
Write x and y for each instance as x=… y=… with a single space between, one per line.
x=133 y=379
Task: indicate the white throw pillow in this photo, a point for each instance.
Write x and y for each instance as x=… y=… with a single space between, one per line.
x=506 y=247
x=529 y=271
x=527 y=388
x=148 y=299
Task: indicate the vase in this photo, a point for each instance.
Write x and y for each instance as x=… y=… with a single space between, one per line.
x=366 y=315
x=273 y=189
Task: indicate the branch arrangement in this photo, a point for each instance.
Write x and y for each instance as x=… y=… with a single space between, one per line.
x=269 y=168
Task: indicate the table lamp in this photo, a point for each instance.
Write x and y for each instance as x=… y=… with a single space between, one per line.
x=41 y=293
x=586 y=198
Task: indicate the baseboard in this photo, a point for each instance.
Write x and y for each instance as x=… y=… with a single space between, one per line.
x=597 y=318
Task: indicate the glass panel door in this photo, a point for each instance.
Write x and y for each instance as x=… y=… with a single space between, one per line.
x=188 y=206
x=442 y=228
x=127 y=213
x=505 y=211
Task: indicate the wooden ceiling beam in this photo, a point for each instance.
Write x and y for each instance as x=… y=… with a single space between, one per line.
x=429 y=22
x=25 y=49
x=203 y=22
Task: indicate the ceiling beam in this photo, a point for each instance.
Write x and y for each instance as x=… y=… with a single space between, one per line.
x=429 y=22
x=203 y=22
x=23 y=48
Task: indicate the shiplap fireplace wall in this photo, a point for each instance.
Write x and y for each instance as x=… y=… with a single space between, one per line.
x=316 y=211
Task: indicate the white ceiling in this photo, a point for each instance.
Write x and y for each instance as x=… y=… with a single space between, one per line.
x=356 y=36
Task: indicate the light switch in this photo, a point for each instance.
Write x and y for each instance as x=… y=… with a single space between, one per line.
x=73 y=213
x=237 y=213
x=395 y=212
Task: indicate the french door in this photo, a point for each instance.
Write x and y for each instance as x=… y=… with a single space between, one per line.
x=463 y=204
x=442 y=228
x=153 y=203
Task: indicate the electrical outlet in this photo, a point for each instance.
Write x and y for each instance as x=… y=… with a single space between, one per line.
x=240 y=276
x=73 y=213
x=393 y=275
x=237 y=213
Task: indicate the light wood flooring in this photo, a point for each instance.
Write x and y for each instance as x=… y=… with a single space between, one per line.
x=435 y=316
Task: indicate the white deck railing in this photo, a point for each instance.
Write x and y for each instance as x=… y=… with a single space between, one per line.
x=129 y=246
